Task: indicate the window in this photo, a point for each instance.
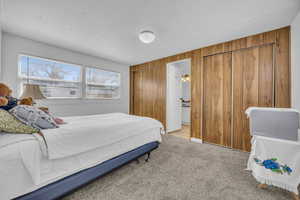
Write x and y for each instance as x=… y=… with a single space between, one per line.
x=63 y=80
x=56 y=79
x=102 y=84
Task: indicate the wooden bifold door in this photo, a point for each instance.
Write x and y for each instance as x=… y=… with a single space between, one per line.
x=217 y=99
x=233 y=82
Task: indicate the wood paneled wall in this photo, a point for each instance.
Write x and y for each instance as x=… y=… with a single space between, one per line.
x=217 y=106
x=148 y=81
x=148 y=95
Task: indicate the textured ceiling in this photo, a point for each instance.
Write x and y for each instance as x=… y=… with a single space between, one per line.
x=109 y=28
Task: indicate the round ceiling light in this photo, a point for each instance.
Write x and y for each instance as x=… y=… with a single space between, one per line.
x=147 y=36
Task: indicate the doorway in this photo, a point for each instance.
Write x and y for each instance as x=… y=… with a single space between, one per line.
x=178 y=110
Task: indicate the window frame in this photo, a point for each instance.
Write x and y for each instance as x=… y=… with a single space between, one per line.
x=82 y=83
x=99 y=98
x=22 y=78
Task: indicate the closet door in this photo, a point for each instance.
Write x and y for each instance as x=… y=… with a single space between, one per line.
x=217 y=99
x=253 y=82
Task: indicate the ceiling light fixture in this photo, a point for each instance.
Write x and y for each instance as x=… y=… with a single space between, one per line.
x=185 y=78
x=147 y=36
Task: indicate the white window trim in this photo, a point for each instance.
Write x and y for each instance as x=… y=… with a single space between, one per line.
x=82 y=80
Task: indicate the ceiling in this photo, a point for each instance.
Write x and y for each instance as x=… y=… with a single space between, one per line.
x=109 y=28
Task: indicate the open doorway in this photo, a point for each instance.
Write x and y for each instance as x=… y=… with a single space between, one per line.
x=179 y=98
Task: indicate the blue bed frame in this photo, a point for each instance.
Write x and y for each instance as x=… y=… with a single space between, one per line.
x=68 y=184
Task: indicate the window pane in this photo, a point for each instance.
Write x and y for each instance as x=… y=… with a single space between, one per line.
x=56 y=79
x=58 y=89
x=102 y=84
x=38 y=68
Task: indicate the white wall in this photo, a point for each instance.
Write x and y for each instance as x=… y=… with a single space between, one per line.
x=185 y=68
x=0 y=51
x=13 y=45
x=295 y=51
x=186 y=90
x=0 y=39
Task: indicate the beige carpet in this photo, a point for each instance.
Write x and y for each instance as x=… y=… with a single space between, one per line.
x=181 y=170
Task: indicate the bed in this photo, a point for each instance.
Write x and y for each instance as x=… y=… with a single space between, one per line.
x=35 y=167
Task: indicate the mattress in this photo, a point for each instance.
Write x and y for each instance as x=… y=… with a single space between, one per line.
x=22 y=182
x=95 y=131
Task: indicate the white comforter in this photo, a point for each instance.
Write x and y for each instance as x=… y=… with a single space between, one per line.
x=85 y=133
x=16 y=149
x=24 y=162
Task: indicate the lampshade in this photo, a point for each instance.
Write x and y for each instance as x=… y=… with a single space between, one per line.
x=33 y=91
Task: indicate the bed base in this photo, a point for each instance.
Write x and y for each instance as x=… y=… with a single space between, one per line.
x=68 y=184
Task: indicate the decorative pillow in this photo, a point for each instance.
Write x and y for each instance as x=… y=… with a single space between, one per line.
x=9 y=124
x=33 y=117
x=59 y=120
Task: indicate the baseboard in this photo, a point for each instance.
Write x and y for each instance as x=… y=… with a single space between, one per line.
x=197 y=140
